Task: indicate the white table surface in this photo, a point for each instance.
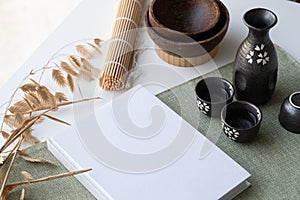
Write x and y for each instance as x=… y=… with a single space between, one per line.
x=93 y=18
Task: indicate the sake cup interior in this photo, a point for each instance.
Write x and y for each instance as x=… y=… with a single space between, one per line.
x=241 y=120
x=213 y=93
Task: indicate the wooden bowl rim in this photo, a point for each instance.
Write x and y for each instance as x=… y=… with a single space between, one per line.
x=225 y=26
x=160 y=25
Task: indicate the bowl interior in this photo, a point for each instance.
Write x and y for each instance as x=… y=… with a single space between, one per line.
x=214 y=90
x=219 y=29
x=295 y=100
x=189 y=16
x=241 y=115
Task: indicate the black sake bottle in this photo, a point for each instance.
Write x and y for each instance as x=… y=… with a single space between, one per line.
x=256 y=65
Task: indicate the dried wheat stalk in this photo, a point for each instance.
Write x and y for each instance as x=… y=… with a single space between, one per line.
x=31 y=159
x=12 y=186
x=26 y=175
x=37 y=100
x=22 y=196
x=4 y=181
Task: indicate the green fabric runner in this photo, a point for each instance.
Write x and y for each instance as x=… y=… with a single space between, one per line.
x=273 y=158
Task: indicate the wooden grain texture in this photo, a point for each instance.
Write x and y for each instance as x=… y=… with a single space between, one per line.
x=186 y=61
x=189 y=17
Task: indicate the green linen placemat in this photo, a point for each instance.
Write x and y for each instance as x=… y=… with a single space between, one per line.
x=273 y=158
x=68 y=188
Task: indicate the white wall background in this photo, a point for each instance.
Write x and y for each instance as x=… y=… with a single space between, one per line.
x=24 y=25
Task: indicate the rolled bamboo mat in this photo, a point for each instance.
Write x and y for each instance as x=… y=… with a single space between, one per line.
x=119 y=59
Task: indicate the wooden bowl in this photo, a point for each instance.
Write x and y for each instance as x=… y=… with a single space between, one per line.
x=188 y=17
x=187 y=46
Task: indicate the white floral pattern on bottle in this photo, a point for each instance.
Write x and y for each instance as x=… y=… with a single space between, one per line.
x=263 y=58
x=203 y=107
x=262 y=55
x=249 y=57
x=231 y=133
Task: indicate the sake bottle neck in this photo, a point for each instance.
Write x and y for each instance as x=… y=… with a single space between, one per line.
x=261 y=35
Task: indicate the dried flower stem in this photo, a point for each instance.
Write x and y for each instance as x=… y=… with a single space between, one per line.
x=37 y=101
x=55 y=55
x=64 y=104
x=11 y=186
x=16 y=90
x=10 y=153
x=10 y=166
x=50 y=177
x=22 y=196
x=57 y=120
x=18 y=132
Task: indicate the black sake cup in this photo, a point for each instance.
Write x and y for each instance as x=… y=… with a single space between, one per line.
x=241 y=121
x=213 y=93
x=289 y=116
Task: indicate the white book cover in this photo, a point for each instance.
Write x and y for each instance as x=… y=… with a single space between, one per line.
x=139 y=148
